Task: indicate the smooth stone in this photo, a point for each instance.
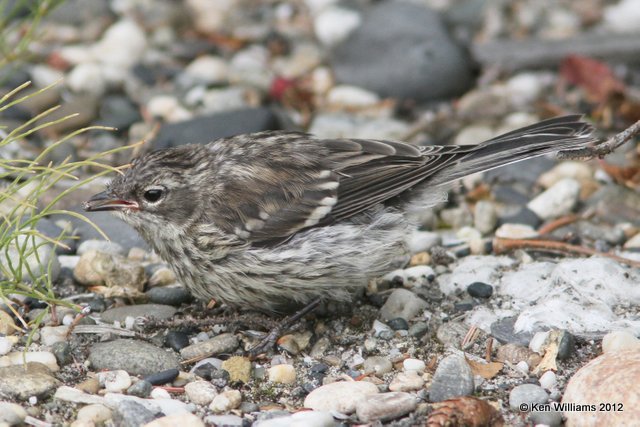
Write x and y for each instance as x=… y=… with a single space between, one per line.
x=114 y=381
x=177 y=340
x=45 y=358
x=421 y=61
x=23 y=382
x=546 y=418
x=225 y=401
x=558 y=200
x=339 y=396
x=548 y=380
x=385 y=406
x=480 y=290
x=165 y=406
x=105 y=246
x=485 y=217
x=168 y=295
x=120 y=314
x=611 y=378
x=225 y=420
x=407 y=381
x=96 y=268
x=527 y=394
x=377 y=365
x=118 y=112
x=402 y=303
x=300 y=419
x=516 y=231
x=422 y=241
x=39 y=259
x=75 y=395
x=94 y=413
x=223 y=343
x=205 y=129
x=49 y=335
x=182 y=420
x=12 y=414
x=453 y=378
x=414 y=365
x=140 y=388
x=135 y=357
x=619 y=340
x=200 y=392
x=131 y=414
x=162 y=377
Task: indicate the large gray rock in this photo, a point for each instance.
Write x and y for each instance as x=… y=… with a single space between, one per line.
x=402 y=50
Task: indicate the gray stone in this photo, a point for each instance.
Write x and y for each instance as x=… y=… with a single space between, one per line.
x=402 y=303
x=22 y=382
x=12 y=413
x=38 y=259
x=453 y=378
x=157 y=311
x=420 y=60
x=385 y=406
x=135 y=357
x=527 y=394
x=223 y=343
x=132 y=414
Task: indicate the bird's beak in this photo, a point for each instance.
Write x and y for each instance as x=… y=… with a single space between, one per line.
x=106 y=202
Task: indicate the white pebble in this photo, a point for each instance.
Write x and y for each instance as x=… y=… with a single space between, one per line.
x=334 y=24
x=623 y=16
x=87 y=78
x=516 y=231
x=548 y=380
x=200 y=392
x=160 y=393
x=18 y=358
x=5 y=345
x=114 y=381
x=558 y=200
x=414 y=365
x=226 y=401
x=208 y=69
x=619 y=340
x=523 y=367
x=351 y=97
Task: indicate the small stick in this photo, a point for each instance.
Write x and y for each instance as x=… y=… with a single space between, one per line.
x=505 y=245
x=601 y=150
x=557 y=223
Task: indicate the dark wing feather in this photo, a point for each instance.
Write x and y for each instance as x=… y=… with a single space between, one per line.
x=296 y=181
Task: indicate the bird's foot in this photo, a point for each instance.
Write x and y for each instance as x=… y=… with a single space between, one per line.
x=269 y=341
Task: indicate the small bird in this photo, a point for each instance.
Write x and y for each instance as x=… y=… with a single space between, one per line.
x=273 y=219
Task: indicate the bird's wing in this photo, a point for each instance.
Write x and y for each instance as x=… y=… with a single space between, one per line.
x=292 y=181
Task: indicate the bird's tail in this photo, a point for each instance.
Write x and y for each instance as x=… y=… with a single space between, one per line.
x=548 y=136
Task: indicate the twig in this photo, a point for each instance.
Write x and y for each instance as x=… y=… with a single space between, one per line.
x=557 y=223
x=505 y=245
x=601 y=150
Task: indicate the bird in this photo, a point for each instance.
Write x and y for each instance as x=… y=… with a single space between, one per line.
x=278 y=219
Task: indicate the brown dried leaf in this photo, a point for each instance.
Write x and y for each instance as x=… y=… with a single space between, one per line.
x=485 y=370
x=464 y=411
x=594 y=76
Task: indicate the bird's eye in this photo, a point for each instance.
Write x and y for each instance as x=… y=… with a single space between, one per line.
x=153 y=194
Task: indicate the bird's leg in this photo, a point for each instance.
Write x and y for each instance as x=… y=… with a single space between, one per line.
x=270 y=339
x=602 y=149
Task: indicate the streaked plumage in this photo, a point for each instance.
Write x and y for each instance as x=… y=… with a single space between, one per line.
x=265 y=219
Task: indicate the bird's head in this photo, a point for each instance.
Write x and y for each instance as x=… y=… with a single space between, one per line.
x=159 y=189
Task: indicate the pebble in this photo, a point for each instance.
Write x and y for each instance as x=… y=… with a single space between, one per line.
x=200 y=392
x=385 y=406
x=140 y=388
x=402 y=303
x=418 y=329
x=12 y=414
x=21 y=384
x=168 y=295
x=619 y=340
x=120 y=314
x=381 y=330
x=96 y=268
x=94 y=413
x=225 y=420
x=453 y=378
x=485 y=217
x=225 y=401
x=407 y=381
x=50 y=335
x=516 y=231
x=621 y=370
x=580 y=171
x=334 y=24
x=114 y=381
x=527 y=394
x=238 y=367
x=282 y=374
x=183 y=420
x=129 y=413
x=377 y=365
x=414 y=365
x=5 y=344
x=177 y=340
x=159 y=393
x=300 y=419
x=134 y=356
x=45 y=358
x=206 y=69
x=558 y=200
x=548 y=380
x=105 y=246
x=434 y=68
x=398 y=324
x=480 y=290
x=546 y=418
x=344 y=96
x=39 y=259
x=339 y=396
x=423 y=241
x=523 y=216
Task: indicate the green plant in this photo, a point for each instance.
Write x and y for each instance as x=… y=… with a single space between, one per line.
x=22 y=185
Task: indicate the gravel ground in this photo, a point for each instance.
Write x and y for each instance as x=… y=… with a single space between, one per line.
x=481 y=327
